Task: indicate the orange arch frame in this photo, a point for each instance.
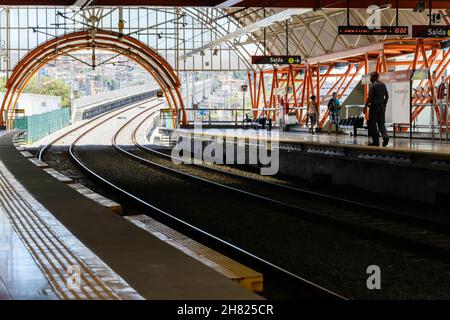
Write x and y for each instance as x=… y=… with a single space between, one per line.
x=128 y=46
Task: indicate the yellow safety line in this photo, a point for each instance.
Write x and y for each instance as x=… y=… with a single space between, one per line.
x=16 y=220
x=86 y=269
x=28 y=213
x=53 y=249
x=35 y=254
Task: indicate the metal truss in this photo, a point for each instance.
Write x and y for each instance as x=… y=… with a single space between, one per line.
x=282 y=90
x=124 y=45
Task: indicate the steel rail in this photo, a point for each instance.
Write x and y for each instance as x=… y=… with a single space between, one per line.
x=366 y=231
x=172 y=217
x=114 y=113
x=363 y=206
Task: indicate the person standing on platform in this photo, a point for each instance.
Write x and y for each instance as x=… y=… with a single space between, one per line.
x=313 y=113
x=376 y=102
x=334 y=107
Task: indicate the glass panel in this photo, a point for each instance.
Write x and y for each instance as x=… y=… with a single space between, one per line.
x=31 y=26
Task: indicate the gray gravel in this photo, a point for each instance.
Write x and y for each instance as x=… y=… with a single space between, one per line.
x=329 y=257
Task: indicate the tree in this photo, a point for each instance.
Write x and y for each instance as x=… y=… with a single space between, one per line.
x=50 y=87
x=2 y=84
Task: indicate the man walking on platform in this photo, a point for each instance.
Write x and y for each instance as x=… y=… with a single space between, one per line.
x=376 y=102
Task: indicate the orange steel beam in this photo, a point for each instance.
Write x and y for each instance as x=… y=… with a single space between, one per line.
x=440 y=69
x=255 y=77
x=43 y=61
x=444 y=15
x=294 y=89
x=331 y=4
x=271 y=93
x=286 y=101
x=431 y=60
x=326 y=74
x=53 y=55
x=254 y=88
x=318 y=86
x=366 y=70
x=430 y=81
x=341 y=93
x=263 y=85
x=159 y=68
x=312 y=81
x=250 y=86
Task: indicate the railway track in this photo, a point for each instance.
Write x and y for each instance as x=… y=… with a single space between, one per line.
x=310 y=289
x=374 y=222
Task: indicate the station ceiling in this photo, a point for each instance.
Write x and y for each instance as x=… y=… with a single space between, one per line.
x=404 y=4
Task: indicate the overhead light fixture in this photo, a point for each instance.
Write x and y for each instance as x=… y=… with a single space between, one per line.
x=215 y=52
x=420 y=7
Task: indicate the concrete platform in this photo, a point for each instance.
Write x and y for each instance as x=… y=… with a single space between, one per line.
x=416 y=169
x=148 y=265
x=20 y=277
x=404 y=145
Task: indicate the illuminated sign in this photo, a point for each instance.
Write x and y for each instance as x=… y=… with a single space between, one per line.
x=430 y=31
x=382 y=31
x=276 y=59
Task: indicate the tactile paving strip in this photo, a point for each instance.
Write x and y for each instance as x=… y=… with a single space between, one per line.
x=69 y=275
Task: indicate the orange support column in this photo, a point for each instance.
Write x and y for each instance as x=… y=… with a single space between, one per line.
x=286 y=94
x=258 y=94
x=262 y=82
x=250 y=90
x=256 y=104
x=271 y=98
x=430 y=81
x=294 y=89
x=304 y=90
x=366 y=70
x=318 y=90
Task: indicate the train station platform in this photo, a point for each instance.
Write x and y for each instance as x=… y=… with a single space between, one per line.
x=58 y=244
x=434 y=147
x=418 y=169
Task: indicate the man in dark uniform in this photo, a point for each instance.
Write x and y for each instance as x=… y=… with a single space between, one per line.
x=376 y=102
